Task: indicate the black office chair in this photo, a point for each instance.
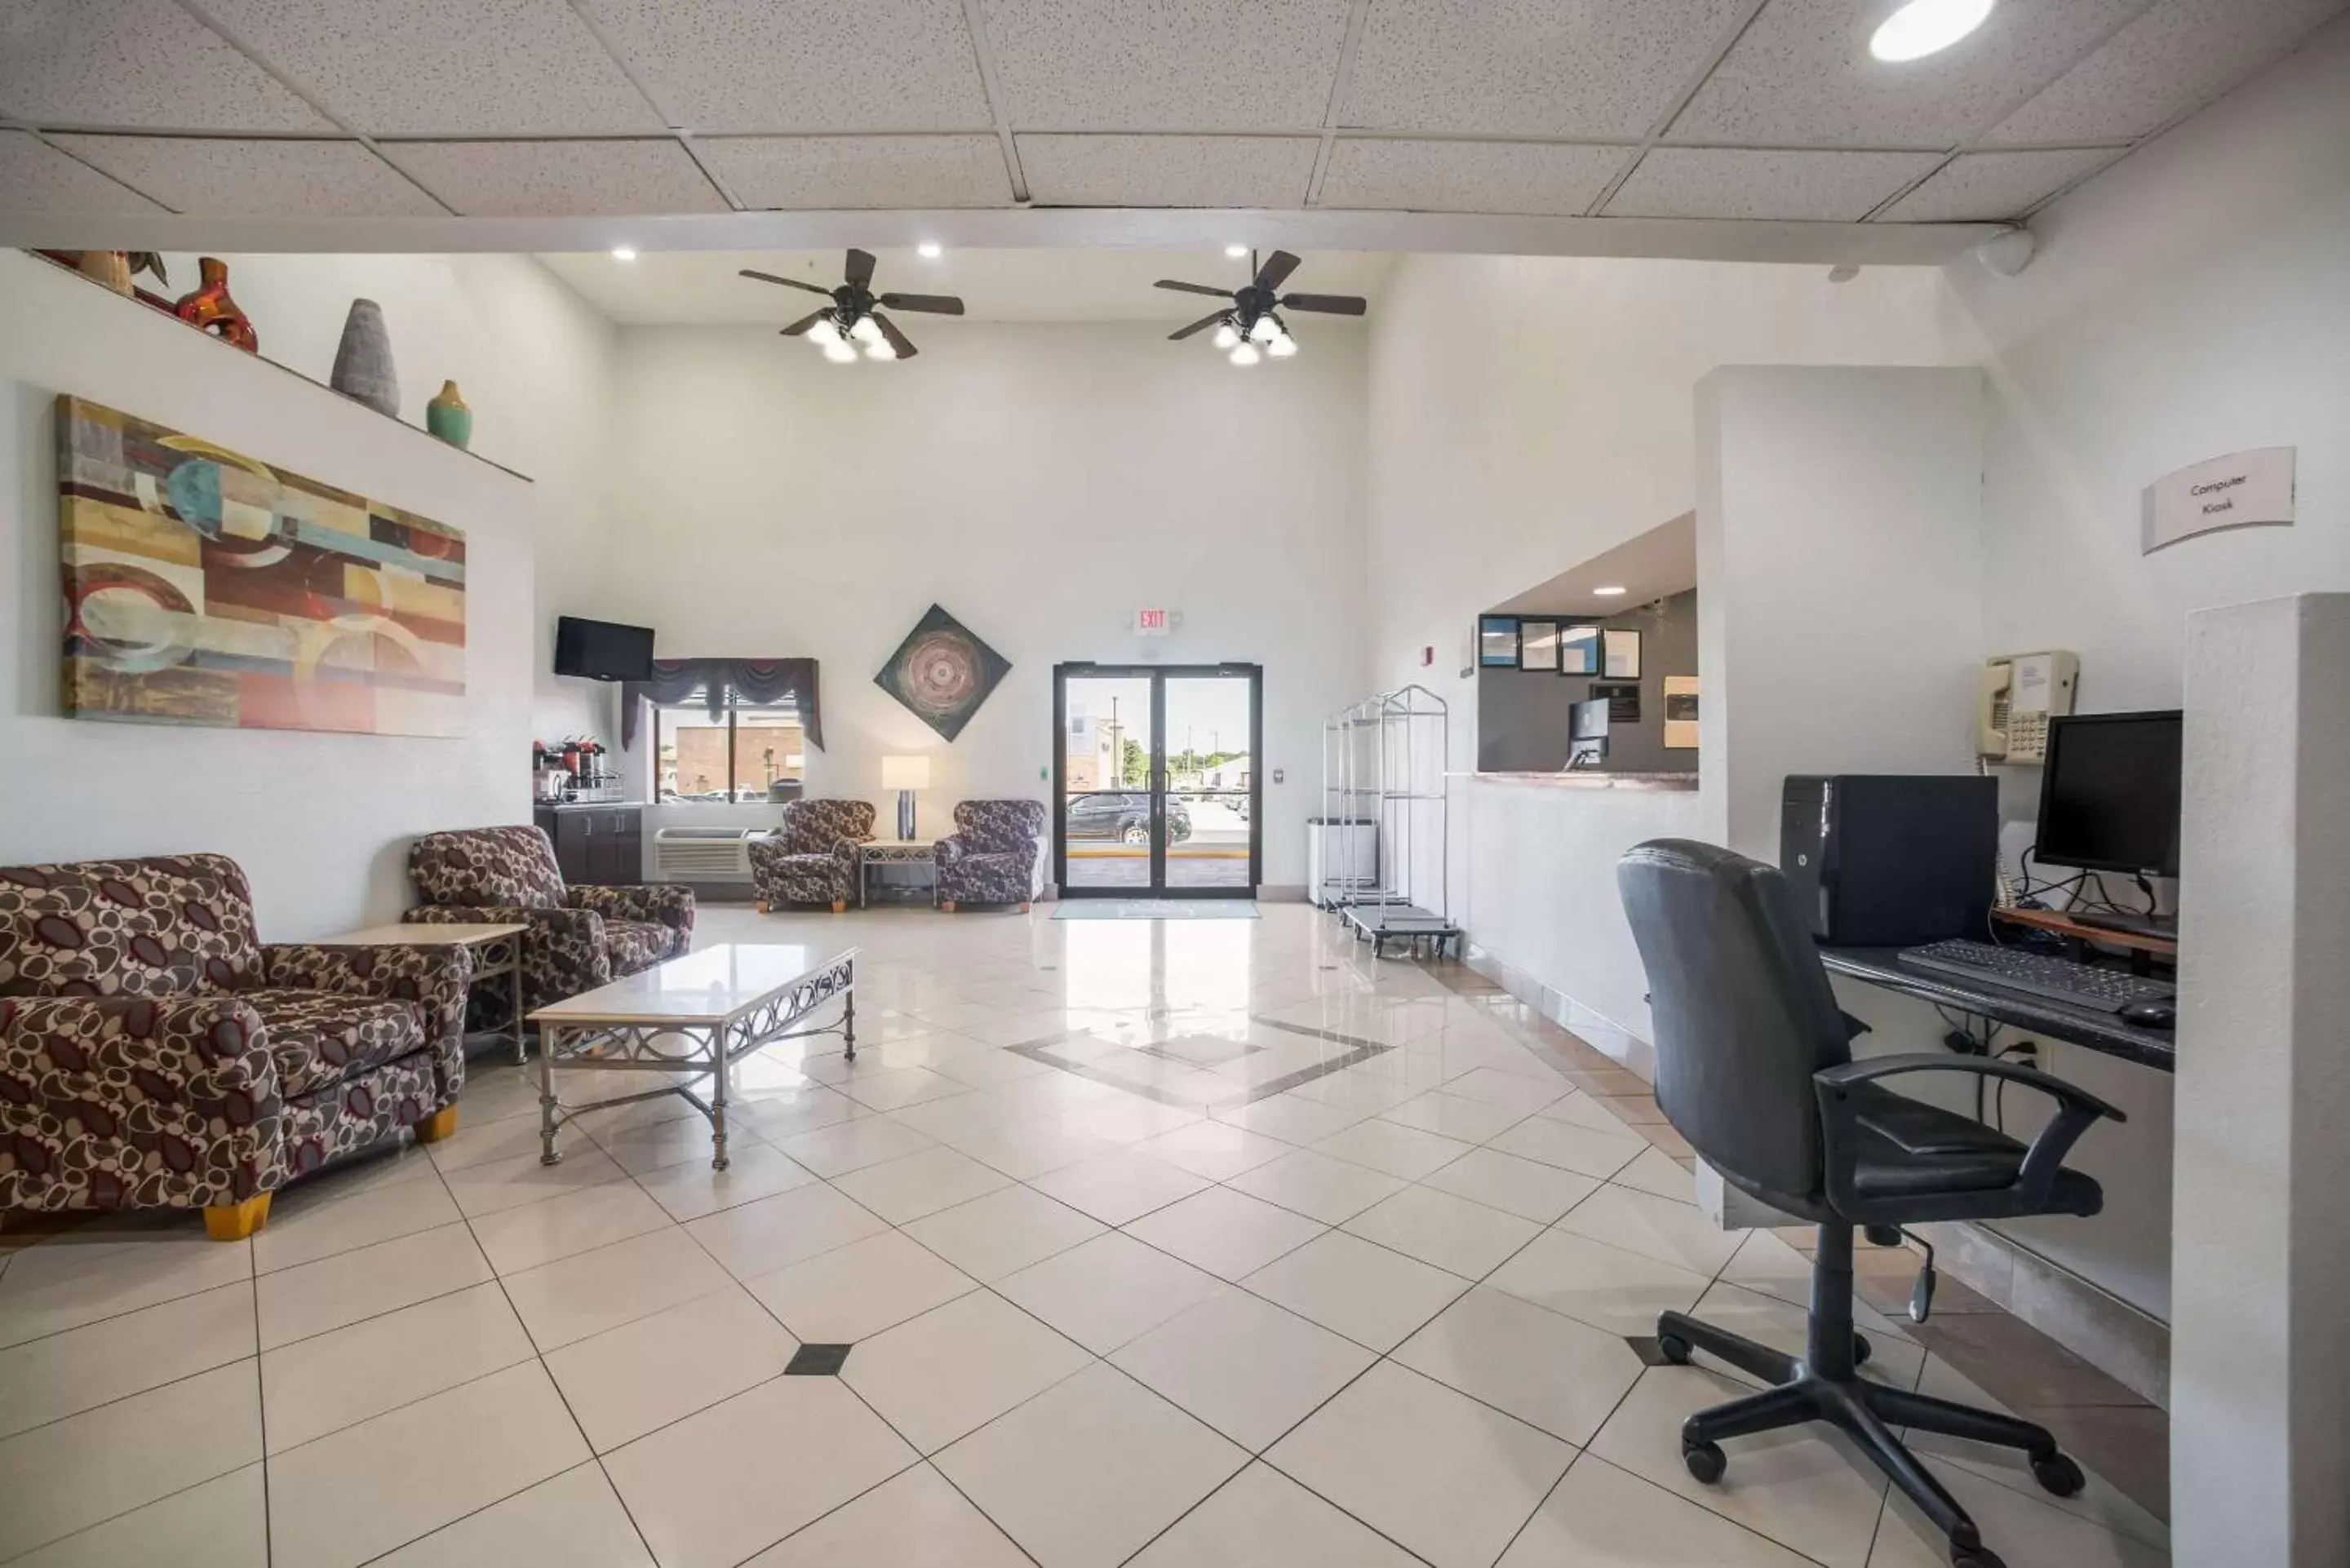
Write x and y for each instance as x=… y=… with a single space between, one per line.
x=1754 y=1068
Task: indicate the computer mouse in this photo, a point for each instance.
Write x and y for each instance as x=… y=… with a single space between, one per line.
x=2150 y=1015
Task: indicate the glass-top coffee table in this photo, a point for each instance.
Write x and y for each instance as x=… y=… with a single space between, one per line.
x=696 y=1015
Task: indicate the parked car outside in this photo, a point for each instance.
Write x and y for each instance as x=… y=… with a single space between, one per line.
x=1124 y=817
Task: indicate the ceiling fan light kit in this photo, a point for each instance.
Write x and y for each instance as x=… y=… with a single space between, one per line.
x=854 y=319
x=1248 y=329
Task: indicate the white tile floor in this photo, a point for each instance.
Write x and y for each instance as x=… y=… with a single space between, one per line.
x=1374 y=1320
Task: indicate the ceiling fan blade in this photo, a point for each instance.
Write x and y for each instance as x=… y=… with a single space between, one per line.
x=1200 y=325
x=861 y=266
x=935 y=303
x=1192 y=289
x=1328 y=303
x=788 y=282
x=798 y=328
x=898 y=340
x=1275 y=270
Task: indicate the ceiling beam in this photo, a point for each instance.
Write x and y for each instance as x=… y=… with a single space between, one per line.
x=1880 y=244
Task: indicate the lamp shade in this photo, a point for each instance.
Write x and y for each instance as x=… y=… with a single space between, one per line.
x=906 y=772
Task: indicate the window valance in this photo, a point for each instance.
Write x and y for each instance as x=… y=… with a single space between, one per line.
x=747 y=680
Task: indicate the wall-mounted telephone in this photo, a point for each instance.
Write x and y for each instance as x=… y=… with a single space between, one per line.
x=2018 y=694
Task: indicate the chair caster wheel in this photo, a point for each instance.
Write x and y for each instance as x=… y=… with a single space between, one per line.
x=1976 y=1557
x=1860 y=1350
x=1673 y=1348
x=1706 y=1461
x=2058 y=1475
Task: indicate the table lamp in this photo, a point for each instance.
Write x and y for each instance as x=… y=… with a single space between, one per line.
x=905 y=775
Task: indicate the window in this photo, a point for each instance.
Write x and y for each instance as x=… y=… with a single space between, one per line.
x=741 y=755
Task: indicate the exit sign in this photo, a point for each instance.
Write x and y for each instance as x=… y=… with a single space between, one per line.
x=1153 y=622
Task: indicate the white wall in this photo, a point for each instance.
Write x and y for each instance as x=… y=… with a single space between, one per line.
x=1041 y=482
x=535 y=362
x=1526 y=414
x=320 y=822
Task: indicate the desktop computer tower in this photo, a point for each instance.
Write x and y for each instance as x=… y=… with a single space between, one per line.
x=1891 y=860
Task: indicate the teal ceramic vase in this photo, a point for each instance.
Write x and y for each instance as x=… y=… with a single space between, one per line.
x=448 y=417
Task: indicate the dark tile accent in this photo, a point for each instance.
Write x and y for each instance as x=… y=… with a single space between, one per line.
x=2129 y=1445
x=818 y=1361
x=1357 y=1051
x=2017 y=1363
x=1644 y=1345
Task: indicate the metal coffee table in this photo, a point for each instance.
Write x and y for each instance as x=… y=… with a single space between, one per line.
x=695 y=1015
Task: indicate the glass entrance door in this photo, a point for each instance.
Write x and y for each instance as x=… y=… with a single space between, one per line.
x=1157 y=784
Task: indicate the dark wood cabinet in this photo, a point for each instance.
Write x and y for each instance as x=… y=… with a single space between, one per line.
x=595 y=843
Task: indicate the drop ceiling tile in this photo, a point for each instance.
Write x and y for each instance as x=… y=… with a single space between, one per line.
x=1993 y=186
x=559 y=178
x=35 y=177
x=444 y=67
x=721 y=65
x=2170 y=59
x=1721 y=182
x=135 y=63
x=1166 y=64
x=1531 y=67
x=229 y=177
x=1168 y=170
x=825 y=173
x=1468 y=176
x=1802 y=74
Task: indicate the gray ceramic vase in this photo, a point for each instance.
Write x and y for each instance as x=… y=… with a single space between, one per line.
x=363 y=367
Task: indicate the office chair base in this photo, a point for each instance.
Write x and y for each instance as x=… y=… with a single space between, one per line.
x=1802 y=1390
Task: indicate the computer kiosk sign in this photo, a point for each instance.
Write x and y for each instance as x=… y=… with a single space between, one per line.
x=2240 y=490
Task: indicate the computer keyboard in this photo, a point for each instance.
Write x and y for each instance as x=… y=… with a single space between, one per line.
x=2034 y=974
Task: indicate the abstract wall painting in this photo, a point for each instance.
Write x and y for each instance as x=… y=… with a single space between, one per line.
x=204 y=587
x=944 y=672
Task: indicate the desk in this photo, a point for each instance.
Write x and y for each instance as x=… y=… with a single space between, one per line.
x=2053 y=1020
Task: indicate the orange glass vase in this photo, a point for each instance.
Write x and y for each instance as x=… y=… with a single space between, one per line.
x=211 y=309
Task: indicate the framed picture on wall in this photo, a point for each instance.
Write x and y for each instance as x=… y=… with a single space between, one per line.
x=1623 y=655
x=1578 y=650
x=1538 y=646
x=1497 y=642
x=1680 y=712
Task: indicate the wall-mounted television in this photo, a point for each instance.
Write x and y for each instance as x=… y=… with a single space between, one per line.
x=601 y=650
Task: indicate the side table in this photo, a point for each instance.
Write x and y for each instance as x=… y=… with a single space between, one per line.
x=895 y=852
x=497 y=951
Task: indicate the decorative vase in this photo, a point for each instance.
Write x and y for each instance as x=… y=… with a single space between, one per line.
x=363 y=369
x=448 y=417
x=211 y=309
x=111 y=268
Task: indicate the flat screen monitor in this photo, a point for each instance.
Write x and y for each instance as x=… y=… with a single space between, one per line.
x=601 y=650
x=2109 y=794
x=1590 y=721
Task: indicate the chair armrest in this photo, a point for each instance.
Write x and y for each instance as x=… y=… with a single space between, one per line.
x=562 y=953
x=434 y=978
x=117 y=1102
x=949 y=849
x=2078 y=1110
x=656 y=903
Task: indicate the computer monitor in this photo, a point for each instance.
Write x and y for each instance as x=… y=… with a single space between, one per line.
x=1590 y=721
x=2109 y=794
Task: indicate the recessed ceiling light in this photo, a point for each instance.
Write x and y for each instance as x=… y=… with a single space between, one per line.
x=1610 y=592
x=624 y=252
x=1238 y=252
x=930 y=250
x=1923 y=28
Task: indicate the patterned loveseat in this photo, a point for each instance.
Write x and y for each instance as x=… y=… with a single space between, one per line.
x=579 y=937
x=811 y=858
x=995 y=855
x=155 y=1054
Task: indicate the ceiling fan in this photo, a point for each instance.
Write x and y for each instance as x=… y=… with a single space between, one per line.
x=1251 y=327
x=852 y=321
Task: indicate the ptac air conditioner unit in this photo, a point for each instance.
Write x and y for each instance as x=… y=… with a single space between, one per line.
x=704 y=854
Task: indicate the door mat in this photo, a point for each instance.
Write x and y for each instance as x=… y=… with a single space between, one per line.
x=1154 y=909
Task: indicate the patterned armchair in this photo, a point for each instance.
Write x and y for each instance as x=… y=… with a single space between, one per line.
x=811 y=858
x=995 y=855
x=579 y=937
x=155 y=1054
